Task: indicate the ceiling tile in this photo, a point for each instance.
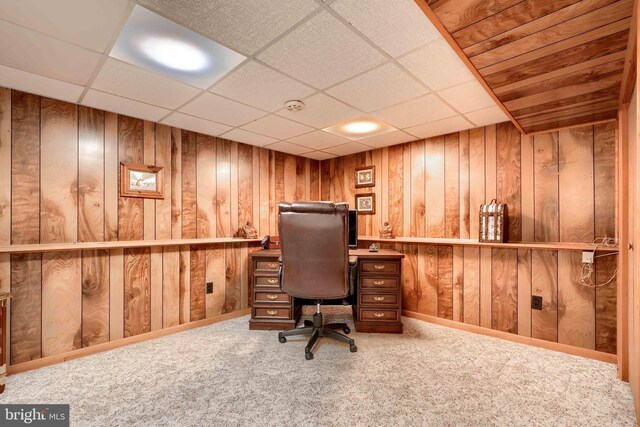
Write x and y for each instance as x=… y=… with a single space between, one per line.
x=247 y=137
x=397 y=28
x=437 y=65
x=386 y=139
x=36 y=53
x=378 y=88
x=322 y=52
x=420 y=110
x=348 y=148
x=117 y=104
x=43 y=86
x=488 y=116
x=245 y=26
x=320 y=111
x=440 y=127
x=277 y=127
x=132 y=82
x=319 y=155
x=86 y=23
x=467 y=97
x=158 y=44
x=260 y=86
x=318 y=140
x=213 y=107
x=195 y=124
x=287 y=147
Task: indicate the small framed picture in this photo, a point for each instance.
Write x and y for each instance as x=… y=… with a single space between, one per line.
x=366 y=203
x=141 y=181
x=366 y=176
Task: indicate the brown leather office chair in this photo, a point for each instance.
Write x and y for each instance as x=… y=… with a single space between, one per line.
x=315 y=263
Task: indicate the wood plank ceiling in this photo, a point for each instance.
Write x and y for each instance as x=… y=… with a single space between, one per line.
x=552 y=63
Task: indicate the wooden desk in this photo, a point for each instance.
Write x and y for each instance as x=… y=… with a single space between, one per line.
x=377 y=301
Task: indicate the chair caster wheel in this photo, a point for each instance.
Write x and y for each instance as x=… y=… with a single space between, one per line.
x=282 y=339
x=346 y=330
x=308 y=356
x=353 y=348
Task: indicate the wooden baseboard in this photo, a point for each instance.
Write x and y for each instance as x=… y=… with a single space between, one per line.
x=98 y=348
x=563 y=348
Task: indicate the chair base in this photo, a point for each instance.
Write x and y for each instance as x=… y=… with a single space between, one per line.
x=316 y=329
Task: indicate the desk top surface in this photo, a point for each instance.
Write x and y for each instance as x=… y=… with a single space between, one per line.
x=360 y=253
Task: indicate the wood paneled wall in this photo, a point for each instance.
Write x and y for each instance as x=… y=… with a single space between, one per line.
x=559 y=186
x=59 y=172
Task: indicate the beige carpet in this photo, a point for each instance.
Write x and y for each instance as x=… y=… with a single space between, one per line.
x=224 y=374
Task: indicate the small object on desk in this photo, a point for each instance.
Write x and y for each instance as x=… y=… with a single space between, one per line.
x=270 y=242
x=493 y=222
x=386 y=231
x=249 y=231
x=373 y=248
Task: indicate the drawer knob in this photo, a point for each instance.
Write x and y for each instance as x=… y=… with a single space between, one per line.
x=273 y=264
x=378 y=314
x=378 y=282
x=272 y=281
x=272 y=296
x=378 y=298
x=379 y=267
x=272 y=312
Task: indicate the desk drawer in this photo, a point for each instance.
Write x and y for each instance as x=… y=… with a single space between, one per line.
x=378 y=315
x=379 y=282
x=270 y=264
x=380 y=267
x=271 y=297
x=270 y=282
x=379 y=299
x=272 y=313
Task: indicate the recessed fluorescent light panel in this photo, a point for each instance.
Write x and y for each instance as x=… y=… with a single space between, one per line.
x=360 y=128
x=159 y=45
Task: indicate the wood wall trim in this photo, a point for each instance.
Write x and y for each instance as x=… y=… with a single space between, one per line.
x=557 y=129
x=563 y=348
x=422 y=4
x=111 y=345
x=471 y=242
x=72 y=247
x=622 y=312
x=630 y=65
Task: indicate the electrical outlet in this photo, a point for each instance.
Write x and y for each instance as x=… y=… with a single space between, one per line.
x=209 y=287
x=536 y=302
x=587 y=257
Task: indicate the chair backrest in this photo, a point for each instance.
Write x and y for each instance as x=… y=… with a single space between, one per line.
x=314 y=242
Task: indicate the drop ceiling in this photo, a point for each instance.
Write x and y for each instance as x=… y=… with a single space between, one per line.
x=345 y=59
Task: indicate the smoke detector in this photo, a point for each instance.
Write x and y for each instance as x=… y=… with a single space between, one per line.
x=294 y=105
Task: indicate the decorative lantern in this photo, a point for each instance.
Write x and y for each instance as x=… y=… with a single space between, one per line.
x=493 y=222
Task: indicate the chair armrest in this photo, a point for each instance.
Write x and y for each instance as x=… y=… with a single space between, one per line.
x=353 y=274
x=353 y=260
x=280 y=272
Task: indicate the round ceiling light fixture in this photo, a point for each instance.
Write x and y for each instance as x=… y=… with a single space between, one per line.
x=361 y=127
x=294 y=105
x=174 y=54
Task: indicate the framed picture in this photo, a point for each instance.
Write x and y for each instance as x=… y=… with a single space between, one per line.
x=141 y=181
x=366 y=203
x=366 y=176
